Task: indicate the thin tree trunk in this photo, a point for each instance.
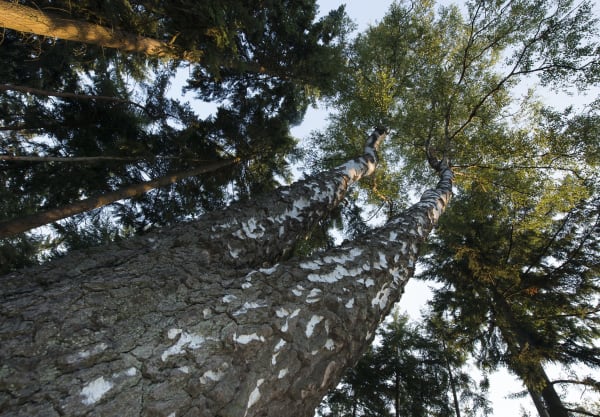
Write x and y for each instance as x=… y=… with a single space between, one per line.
x=26 y=19
x=25 y=223
x=517 y=340
x=452 y=382
x=397 y=395
x=90 y=159
x=536 y=398
x=74 y=96
x=191 y=321
x=555 y=405
x=78 y=159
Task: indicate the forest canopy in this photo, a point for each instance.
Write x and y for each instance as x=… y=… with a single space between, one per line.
x=97 y=145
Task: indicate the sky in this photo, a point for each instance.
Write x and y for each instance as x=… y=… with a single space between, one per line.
x=365 y=13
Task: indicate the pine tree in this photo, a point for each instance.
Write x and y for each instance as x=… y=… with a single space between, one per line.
x=89 y=102
x=410 y=371
x=518 y=285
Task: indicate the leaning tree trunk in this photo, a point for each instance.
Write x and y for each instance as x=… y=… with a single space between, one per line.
x=22 y=224
x=197 y=321
x=26 y=19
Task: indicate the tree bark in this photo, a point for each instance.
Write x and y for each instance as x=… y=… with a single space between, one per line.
x=197 y=321
x=536 y=397
x=26 y=19
x=25 y=223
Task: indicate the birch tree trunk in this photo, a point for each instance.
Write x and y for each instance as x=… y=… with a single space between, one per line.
x=199 y=321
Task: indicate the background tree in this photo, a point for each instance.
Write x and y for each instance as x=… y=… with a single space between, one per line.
x=159 y=135
x=519 y=285
x=409 y=371
x=443 y=82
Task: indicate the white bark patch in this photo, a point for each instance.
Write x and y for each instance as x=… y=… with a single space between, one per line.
x=186 y=340
x=297 y=208
x=369 y=282
x=382 y=260
x=184 y=369
x=311 y=265
x=413 y=247
x=244 y=339
x=313 y=296
x=350 y=256
x=269 y=271
x=228 y=298
x=298 y=290
x=254 y=395
x=251 y=227
x=337 y=274
x=95 y=390
x=246 y=285
x=381 y=299
x=330 y=344
x=173 y=333
x=350 y=303
x=234 y=253
x=84 y=354
x=282 y=373
x=279 y=345
x=248 y=306
x=396 y=275
x=310 y=326
x=282 y=312
x=211 y=376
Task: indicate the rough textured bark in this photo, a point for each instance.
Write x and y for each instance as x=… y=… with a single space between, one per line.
x=22 y=224
x=198 y=321
x=26 y=19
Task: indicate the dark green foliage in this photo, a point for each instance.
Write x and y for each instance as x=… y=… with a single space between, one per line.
x=519 y=286
x=256 y=62
x=410 y=371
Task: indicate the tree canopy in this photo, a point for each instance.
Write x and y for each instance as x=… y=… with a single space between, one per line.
x=444 y=79
x=111 y=121
x=515 y=259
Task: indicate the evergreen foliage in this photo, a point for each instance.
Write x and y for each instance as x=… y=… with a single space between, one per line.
x=519 y=244
x=410 y=371
x=254 y=62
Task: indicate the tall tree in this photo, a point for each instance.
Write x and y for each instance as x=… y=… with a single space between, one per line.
x=221 y=330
